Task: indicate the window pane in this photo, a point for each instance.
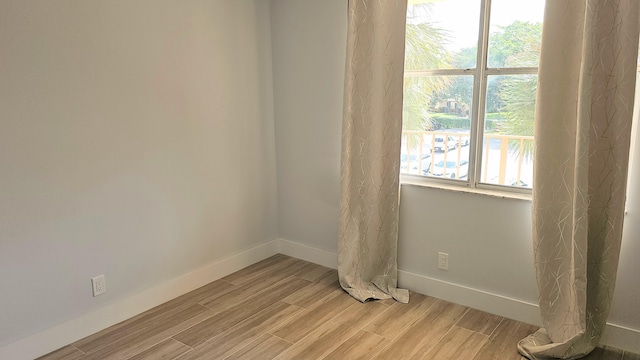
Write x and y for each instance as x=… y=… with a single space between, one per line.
x=515 y=33
x=436 y=123
x=507 y=150
x=440 y=36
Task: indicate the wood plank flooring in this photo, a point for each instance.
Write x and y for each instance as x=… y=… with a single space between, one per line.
x=285 y=308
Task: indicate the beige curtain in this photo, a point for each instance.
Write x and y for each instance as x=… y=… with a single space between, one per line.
x=371 y=135
x=583 y=121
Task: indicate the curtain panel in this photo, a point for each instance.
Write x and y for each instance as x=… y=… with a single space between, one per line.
x=583 y=119
x=371 y=136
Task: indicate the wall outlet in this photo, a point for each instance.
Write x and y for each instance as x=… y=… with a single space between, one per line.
x=99 y=285
x=443 y=261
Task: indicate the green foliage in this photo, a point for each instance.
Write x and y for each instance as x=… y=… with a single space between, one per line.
x=494 y=100
x=519 y=95
x=510 y=99
x=461 y=88
x=494 y=116
x=447 y=121
x=424 y=49
x=465 y=58
x=517 y=44
x=492 y=121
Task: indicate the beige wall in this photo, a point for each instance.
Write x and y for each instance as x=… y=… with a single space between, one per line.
x=136 y=141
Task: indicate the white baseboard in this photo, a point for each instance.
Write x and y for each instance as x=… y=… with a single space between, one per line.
x=474 y=298
x=75 y=329
x=44 y=342
x=308 y=253
x=621 y=337
x=617 y=336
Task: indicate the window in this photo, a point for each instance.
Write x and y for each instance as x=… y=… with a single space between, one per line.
x=469 y=91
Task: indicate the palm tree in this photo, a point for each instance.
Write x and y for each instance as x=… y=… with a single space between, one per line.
x=424 y=49
x=519 y=95
x=518 y=45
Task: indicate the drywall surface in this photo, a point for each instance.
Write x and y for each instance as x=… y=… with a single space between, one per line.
x=136 y=141
x=626 y=297
x=309 y=46
x=488 y=238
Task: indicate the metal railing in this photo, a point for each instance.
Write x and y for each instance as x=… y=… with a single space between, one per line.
x=506 y=159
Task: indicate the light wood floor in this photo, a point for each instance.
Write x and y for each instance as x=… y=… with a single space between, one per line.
x=285 y=308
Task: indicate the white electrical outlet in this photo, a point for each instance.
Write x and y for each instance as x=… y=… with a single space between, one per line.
x=443 y=261
x=99 y=285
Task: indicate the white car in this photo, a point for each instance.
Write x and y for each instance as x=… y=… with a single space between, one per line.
x=442 y=143
x=510 y=182
x=450 y=169
x=412 y=166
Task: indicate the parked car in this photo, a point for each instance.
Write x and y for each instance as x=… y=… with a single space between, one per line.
x=510 y=182
x=442 y=143
x=519 y=183
x=450 y=169
x=412 y=166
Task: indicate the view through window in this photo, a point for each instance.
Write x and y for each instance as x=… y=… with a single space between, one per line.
x=469 y=90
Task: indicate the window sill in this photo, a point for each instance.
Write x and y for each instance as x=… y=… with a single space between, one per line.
x=462 y=188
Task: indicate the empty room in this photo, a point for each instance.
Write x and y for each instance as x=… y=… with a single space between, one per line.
x=319 y=179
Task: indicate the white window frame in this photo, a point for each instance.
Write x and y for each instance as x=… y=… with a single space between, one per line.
x=480 y=78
